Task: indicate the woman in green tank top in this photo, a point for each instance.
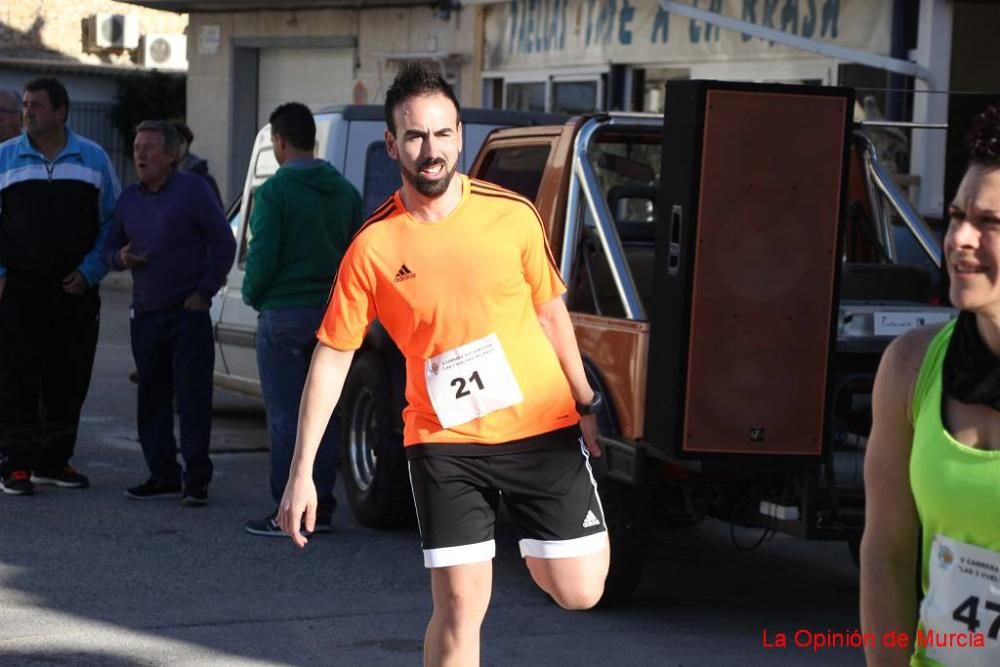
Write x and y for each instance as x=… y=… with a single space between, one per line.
x=932 y=468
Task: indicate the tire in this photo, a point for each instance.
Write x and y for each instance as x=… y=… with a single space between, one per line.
x=629 y=521
x=372 y=461
x=627 y=514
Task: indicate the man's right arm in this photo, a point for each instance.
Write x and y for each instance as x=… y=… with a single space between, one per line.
x=350 y=310
x=324 y=383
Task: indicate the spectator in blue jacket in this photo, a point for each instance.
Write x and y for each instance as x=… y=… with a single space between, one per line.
x=170 y=232
x=57 y=192
x=10 y=114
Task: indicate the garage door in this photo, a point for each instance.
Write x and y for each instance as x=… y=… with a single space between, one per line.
x=316 y=77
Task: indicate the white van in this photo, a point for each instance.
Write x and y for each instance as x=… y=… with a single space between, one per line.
x=351 y=139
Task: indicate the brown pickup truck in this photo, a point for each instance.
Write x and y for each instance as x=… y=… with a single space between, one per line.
x=600 y=183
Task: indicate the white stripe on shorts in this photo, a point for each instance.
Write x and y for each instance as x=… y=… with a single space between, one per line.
x=580 y=546
x=460 y=555
x=590 y=471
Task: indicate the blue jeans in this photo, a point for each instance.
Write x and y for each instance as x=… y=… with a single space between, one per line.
x=285 y=341
x=174 y=355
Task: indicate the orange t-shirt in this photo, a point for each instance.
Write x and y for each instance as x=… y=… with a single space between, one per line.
x=458 y=297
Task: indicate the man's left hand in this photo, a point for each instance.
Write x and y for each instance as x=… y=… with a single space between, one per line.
x=195 y=302
x=588 y=424
x=75 y=283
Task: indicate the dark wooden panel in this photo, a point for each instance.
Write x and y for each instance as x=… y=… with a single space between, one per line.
x=747 y=255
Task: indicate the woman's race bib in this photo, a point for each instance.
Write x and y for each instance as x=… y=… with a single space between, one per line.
x=960 y=616
x=471 y=381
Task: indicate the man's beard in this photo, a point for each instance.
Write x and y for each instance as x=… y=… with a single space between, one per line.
x=425 y=186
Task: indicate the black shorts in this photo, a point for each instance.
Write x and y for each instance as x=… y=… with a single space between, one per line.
x=549 y=492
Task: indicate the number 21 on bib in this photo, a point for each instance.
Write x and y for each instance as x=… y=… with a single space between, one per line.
x=471 y=381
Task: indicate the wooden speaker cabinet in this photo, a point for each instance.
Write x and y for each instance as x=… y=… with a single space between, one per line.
x=747 y=261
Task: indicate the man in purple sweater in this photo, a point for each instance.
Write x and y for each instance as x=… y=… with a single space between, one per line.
x=169 y=230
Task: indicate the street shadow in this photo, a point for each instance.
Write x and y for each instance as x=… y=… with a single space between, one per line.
x=62 y=658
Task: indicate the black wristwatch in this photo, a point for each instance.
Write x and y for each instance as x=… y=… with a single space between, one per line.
x=593 y=407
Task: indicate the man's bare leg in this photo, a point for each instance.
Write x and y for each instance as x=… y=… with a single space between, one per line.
x=574 y=583
x=461 y=595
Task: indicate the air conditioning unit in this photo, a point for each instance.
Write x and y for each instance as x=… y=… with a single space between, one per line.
x=164 y=52
x=113 y=31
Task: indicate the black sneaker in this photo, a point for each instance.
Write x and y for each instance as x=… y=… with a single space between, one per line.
x=195 y=495
x=67 y=478
x=151 y=489
x=17 y=483
x=267 y=527
x=324 y=520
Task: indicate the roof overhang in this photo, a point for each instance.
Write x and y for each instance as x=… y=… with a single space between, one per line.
x=228 y=6
x=66 y=66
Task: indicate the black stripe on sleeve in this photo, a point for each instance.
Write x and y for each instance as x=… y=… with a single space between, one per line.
x=506 y=194
x=380 y=214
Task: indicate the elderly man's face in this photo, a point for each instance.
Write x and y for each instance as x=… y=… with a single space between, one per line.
x=152 y=163
x=10 y=116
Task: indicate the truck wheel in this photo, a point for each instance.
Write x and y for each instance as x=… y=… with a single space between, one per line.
x=629 y=523
x=627 y=512
x=372 y=462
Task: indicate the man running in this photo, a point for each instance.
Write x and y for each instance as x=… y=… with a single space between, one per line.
x=459 y=273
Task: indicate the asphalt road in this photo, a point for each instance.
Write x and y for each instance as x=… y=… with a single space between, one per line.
x=91 y=578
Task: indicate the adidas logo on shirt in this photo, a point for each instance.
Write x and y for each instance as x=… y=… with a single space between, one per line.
x=591 y=520
x=403 y=274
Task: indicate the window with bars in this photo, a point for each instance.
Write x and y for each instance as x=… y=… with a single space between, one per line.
x=93 y=121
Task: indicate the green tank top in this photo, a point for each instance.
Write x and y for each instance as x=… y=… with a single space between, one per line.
x=956 y=488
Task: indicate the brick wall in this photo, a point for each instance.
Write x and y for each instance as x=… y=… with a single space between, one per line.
x=54 y=28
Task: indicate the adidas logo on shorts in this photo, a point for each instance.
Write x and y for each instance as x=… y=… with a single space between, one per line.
x=591 y=520
x=403 y=274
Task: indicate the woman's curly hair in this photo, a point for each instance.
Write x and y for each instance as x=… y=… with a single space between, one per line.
x=984 y=137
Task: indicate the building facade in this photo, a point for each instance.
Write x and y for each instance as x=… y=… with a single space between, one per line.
x=89 y=45
x=247 y=56
x=582 y=55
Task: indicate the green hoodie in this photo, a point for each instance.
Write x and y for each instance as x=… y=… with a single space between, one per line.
x=301 y=222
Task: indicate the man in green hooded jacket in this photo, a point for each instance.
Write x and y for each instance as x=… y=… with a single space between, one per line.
x=301 y=222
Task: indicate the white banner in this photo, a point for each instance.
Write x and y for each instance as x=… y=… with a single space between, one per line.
x=556 y=33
